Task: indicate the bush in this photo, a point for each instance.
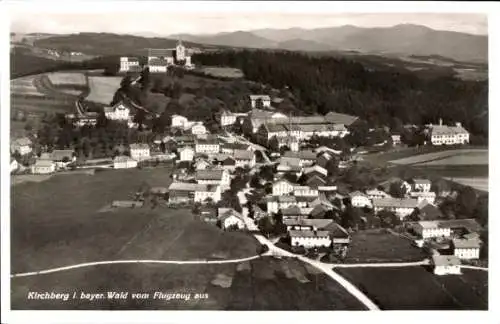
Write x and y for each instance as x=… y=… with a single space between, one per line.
x=262 y=249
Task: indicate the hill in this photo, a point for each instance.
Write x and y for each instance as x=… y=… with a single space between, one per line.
x=405 y=39
x=107 y=44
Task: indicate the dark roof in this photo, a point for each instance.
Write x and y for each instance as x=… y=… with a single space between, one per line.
x=430 y=212
x=337 y=118
x=315 y=181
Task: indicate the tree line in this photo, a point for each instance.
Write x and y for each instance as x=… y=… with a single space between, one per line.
x=383 y=97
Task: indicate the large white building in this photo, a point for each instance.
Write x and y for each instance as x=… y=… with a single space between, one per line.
x=401 y=207
x=265 y=99
x=207 y=146
x=359 y=199
x=282 y=187
x=310 y=239
x=430 y=229
x=421 y=185
x=230 y=218
x=179 y=121
x=129 y=64
x=124 y=162
x=139 y=151
x=428 y=196
x=117 y=112
x=446 y=264
x=43 y=167
x=186 y=153
x=229 y=118
x=215 y=176
x=448 y=135
x=466 y=248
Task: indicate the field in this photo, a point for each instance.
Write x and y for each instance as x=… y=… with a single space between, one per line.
x=378 y=246
x=102 y=89
x=476 y=183
x=65 y=78
x=65 y=220
x=416 y=288
x=24 y=86
x=448 y=157
x=222 y=72
x=261 y=284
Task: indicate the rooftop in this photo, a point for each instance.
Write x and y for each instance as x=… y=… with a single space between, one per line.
x=473 y=243
x=445 y=260
x=209 y=174
x=122 y=158
x=139 y=146
x=43 y=163
x=184 y=186
x=243 y=155
x=303 y=155
x=395 y=202
x=262 y=96
x=294 y=233
x=337 y=118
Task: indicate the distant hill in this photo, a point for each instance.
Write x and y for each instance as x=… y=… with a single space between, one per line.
x=405 y=39
x=233 y=39
x=107 y=44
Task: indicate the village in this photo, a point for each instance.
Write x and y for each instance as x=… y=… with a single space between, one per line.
x=263 y=173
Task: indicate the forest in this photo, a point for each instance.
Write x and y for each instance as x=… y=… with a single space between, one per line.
x=389 y=96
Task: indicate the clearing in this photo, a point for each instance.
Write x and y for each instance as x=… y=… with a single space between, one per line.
x=453 y=157
x=378 y=246
x=416 y=288
x=65 y=78
x=103 y=88
x=222 y=72
x=261 y=284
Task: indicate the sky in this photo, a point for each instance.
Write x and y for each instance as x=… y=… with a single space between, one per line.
x=165 y=21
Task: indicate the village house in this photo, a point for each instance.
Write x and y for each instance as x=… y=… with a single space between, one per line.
x=229 y=148
x=396 y=139
x=186 y=192
x=421 y=196
x=323 y=159
x=61 y=158
x=315 y=170
x=304 y=224
x=291 y=165
x=21 y=145
x=265 y=99
x=359 y=199
x=322 y=130
x=401 y=207
x=309 y=239
x=257 y=212
x=139 y=151
x=124 y=162
x=186 y=153
x=157 y=65
x=275 y=203
x=244 y=158
x=129 y=64
x=230 y=218
x=14 y=165
x=448 y=135
x=208 y=146
x=228 y=118
x=43 y=167
x=202 y=164
x=446 y=264
x=421 y=185
x=282 y=187
x=315 y=181
x=430 y=229
x=306 y=157
x=198 y=129
x=119 y=112
x=257 y=117
x=214 y=176
x=179 y=121
x=295 y=212
x=466 y=248
x=305 y=191
x=375 y=193
x=228 y=163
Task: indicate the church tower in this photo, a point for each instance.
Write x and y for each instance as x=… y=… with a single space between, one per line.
x=180 y=51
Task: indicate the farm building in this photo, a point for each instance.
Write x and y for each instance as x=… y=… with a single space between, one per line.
x=43 y=167
x=186 y=153
x=446 y=264
x=21 y=145
x=466 y=248
x=309 y=239
x=359 y=199
x=139 y=151
x=124 y=162
x=448 y=135
x=230 y=218
x=401 y=207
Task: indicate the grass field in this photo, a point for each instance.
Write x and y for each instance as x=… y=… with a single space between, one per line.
x=222 y=72
x=476 y=183
x=378 y=246
x=102 y=89
x=416 y=288
x=61 y=221
x=453 y=157
x=64 y=78
x=24 y=86
x=262 y=284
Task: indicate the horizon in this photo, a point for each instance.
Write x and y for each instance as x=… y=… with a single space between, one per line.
x=204 y=24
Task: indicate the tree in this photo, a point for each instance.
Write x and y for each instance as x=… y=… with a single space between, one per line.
x=466 y=202
x=351 y=217
x=265 y=225
x=111 y=69
x=388 y=219
x=274 y=144
x=397 y=190
x=332 y=167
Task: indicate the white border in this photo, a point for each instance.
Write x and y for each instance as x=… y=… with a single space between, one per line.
x=492 y=9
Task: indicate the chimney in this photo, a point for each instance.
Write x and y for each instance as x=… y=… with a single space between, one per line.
x=458 y=124
x=440 y=121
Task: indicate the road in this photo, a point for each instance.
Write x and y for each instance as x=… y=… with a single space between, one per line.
x=382 y=265
x=91 y=264
x=326 y=268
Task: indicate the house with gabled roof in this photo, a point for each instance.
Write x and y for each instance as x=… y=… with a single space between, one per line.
x=275 y=203
x=282 y=187
x=446 y=264
x=230 y=218
x=244 y=158
x=21 y=145
x=315 y=170
x=315 y=181
x=359 y=199
x=306 y=157
x=214 y=176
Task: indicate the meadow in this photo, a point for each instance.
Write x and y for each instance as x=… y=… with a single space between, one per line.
x=417 y=288
x=102 y=89
x=468 y=156
x=262 y=284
